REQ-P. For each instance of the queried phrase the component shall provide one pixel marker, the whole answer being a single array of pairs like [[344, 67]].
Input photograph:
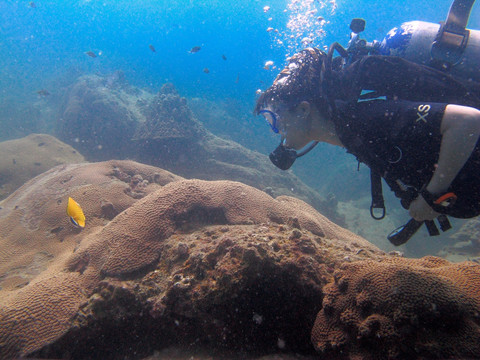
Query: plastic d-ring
[[372, 214]]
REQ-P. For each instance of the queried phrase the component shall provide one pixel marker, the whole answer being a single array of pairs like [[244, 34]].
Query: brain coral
[[132, 241], [401, 308], [37, 298], [41, 301]]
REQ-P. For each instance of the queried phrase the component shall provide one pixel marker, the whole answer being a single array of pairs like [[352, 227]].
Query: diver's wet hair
[[299, 81]]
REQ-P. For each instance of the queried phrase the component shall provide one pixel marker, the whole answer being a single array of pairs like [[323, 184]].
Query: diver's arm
[[460, 129]]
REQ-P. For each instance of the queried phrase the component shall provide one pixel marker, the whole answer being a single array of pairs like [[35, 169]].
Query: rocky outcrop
[[167, 116], [100, 116], [23, 159], [106, 120]]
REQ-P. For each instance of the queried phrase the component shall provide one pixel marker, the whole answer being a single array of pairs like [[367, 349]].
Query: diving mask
[[282, 157], [271, 118]]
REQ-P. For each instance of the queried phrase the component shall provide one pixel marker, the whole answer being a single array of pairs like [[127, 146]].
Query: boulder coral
[[401, 308], [37, 297], [132, 241], [147, 253], [22, 159]]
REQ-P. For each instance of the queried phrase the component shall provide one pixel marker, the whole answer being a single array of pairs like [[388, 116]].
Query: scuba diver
[[407, 107]]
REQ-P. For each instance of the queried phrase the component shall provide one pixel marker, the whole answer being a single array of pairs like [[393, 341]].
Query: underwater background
[[45, 46], [227, 266], [216, 54]]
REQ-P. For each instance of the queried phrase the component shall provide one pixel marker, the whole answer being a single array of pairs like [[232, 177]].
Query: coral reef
[[99, 116], [192, 261], [168, 117], [22, 159], [119, 121], [37, 297], [401, 308], [165, 261]]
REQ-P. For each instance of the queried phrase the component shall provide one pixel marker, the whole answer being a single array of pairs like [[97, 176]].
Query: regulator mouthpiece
[[283, 157]]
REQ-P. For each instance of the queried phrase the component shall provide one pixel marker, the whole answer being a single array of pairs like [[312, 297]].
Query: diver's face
[[294, 125]]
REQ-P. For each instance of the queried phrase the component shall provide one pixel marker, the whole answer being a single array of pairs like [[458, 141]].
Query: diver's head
[[296, 107], [295, 93]]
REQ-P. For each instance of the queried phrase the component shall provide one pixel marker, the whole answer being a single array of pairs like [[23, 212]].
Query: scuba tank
[[448, 46], [416, 41]]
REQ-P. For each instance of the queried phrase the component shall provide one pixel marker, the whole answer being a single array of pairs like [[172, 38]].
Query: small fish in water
[[32, 4], [266, 8], [43, 92], [237, 79], [195, 49], [224, 57], [152, 48], [91, 54], [75, 212], [206, 70]]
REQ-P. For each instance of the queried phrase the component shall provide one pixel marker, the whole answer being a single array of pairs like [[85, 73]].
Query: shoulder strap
[[452, 37], [377, 195], [393, 76]]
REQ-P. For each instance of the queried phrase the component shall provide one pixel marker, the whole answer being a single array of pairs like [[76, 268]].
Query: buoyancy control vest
[[372, 78], [396, 77]]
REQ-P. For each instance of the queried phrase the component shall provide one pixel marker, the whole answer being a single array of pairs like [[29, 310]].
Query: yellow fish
[[75, 212]]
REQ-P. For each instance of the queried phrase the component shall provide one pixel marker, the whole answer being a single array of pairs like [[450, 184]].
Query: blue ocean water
[[45, 39]]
